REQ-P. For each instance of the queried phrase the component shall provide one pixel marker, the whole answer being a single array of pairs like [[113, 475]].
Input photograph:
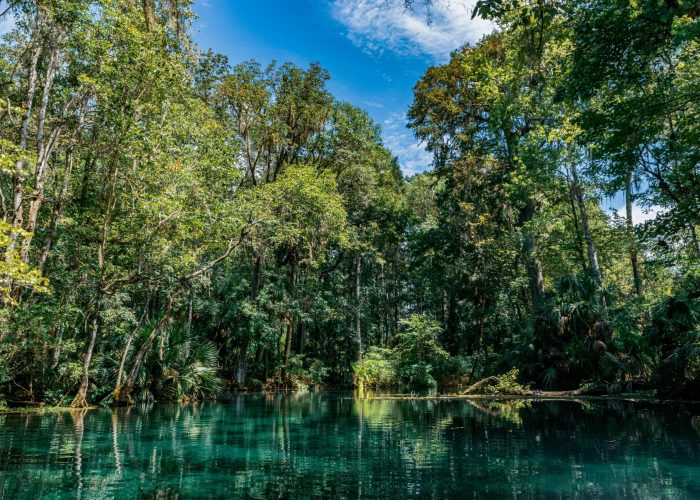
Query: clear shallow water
[[327, 445]]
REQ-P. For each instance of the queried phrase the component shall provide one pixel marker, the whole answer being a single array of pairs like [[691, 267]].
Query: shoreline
[[534, 397], [27, 410], [548, 396]]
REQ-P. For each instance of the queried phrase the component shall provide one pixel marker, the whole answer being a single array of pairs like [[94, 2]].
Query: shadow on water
[[329, 445]]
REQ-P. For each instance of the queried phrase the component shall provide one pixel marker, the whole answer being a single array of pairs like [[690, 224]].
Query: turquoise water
[[326, 445]]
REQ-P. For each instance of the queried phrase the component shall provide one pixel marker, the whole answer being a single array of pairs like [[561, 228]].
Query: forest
[[175, 227]]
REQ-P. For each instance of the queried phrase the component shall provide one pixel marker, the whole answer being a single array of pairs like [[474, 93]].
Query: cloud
[[640, 214], [380, 25], [413, 157], [373, 104]]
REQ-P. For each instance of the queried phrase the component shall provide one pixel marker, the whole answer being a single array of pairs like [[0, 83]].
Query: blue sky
[[375, 51]]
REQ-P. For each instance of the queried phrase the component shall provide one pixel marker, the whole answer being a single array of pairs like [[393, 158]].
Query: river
[[331, 445]]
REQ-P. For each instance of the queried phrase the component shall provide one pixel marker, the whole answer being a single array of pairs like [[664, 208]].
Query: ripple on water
[[331, 446]]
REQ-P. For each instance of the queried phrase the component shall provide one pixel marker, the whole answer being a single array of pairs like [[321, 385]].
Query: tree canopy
[[173, 226]]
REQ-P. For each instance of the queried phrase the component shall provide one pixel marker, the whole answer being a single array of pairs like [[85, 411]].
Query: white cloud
[[413, 157], [379, 25], [373, 104], [640, 214]]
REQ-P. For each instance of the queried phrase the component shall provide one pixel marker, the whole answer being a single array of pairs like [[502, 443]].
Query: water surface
[[330, 445]]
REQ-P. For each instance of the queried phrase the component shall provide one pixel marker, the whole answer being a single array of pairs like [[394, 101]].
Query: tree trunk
[[288, 319], [579, 241], [148, 13], [37, 196], [533, 263], [122, 361], [696, 242], [57, 350], [592, 252], [302, 337], [80, 398], [190, 309], [57, 211], [19, 175], [634, 256], [122, 393], [60, 201], [241, 365], [358, 306], [44, 150], [287, 347]]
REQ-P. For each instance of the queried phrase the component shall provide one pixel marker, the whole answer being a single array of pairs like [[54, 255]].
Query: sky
[[375, 50]]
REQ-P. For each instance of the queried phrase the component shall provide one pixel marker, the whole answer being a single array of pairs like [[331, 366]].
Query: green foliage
[[674, 331], [302, 375], [14, 271], [418, 351], [188, 369], [377, 368], [194, 225], [506, 385]]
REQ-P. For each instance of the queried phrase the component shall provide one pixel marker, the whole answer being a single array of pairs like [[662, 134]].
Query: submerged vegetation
[[173, 226]]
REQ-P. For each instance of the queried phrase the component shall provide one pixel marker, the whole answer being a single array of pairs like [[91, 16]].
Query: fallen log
[[479, 387]]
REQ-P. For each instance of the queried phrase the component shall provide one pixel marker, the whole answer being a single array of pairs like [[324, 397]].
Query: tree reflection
[[288, 445]]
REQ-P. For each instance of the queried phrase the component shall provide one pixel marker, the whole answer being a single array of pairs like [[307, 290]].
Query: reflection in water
[[332, 445], [78, 417]]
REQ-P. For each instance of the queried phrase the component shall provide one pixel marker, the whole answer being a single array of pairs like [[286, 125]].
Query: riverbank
[[558, 396], [543, 396], [13, 410]]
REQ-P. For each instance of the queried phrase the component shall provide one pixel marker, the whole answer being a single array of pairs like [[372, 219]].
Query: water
[[327, 445]]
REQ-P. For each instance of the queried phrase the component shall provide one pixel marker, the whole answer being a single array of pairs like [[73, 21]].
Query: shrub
[[317, 373], [418, 350], [674, 332], [418, 375], [454, 370], [377, 369], [506, 384]]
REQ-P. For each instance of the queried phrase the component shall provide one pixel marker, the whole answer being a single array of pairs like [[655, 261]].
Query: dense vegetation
[[172, 225]]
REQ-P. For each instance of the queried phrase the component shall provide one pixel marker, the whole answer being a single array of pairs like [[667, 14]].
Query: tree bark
[[579, 241], [57, 350], [122, 394], [532, 261], [45, 149], [57, 210], [148, 13], [242, 363], [18, 176], [60, 201], [696, 241], [592, 251], [287, 347], [634, 256], [358, 307], [288, 319], [122, 361], [80, 398]]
